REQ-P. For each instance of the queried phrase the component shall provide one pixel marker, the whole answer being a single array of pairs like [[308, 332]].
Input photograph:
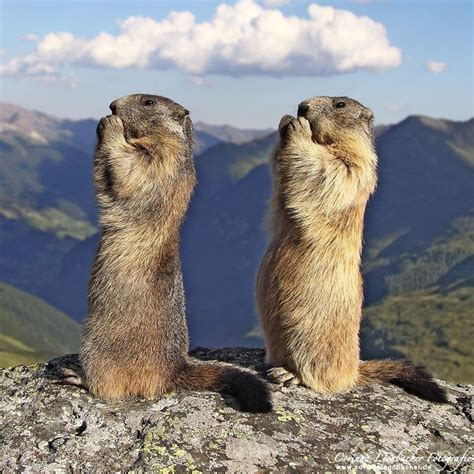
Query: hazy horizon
[[225, 124]]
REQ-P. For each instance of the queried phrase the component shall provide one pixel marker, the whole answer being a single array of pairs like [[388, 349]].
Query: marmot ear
[[367, 115]]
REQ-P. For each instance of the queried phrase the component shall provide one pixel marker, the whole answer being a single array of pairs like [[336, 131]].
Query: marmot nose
[[113, 107], [303, 109]]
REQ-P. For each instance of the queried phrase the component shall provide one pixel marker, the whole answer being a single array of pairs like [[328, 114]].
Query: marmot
[[135, 340], [309, 285]]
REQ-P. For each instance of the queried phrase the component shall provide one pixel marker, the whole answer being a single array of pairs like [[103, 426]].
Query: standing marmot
[[309, 286], [135, 341]]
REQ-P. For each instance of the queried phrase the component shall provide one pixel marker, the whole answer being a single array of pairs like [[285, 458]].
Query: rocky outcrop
[[45, 427]]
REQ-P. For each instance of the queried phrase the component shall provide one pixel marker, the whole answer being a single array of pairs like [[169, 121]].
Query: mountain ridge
[[18, 118], [419, 233]]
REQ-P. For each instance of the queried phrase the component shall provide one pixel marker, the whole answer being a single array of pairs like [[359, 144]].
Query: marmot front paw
[[110, 125], [292, 128]]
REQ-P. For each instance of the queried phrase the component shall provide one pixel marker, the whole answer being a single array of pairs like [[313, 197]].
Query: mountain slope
[[433, 327], [229, 134], [46, 197], [224, 233], [419, 242], [226, 163], [46, 193], [31, 329], [425, 195], [222, 242], [46, 183]]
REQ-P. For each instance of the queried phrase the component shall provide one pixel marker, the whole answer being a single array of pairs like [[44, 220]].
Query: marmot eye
[[149, 102], [340, 105]]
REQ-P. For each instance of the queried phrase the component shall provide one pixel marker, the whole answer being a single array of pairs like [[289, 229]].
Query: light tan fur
[[309, 287]]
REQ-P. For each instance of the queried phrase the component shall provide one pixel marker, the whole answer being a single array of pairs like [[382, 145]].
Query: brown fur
[[309, 285], [135, 340]]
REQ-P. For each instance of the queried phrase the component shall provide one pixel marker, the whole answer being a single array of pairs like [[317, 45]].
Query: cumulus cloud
[[30, 37], [275, 3], [396, 107], [435, 67], [240, 39], [199, 81]]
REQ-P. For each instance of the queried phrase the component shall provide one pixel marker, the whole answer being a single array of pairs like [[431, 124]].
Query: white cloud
[[397, 107], [240, 39], [199, 81], [275, 3], [436, 67], [30, 37]]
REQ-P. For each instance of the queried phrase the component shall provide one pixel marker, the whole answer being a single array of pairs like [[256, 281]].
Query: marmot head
[[145, 115], [335, 120]]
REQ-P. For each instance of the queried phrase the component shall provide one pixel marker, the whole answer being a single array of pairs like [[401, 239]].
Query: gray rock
[[46, 427]]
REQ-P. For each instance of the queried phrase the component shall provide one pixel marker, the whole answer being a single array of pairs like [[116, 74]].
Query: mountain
[[227, 163], [419, 243], [229, 134], [423, 202], [46, 203], [37, 125], [46, 194], [419, 225], [45, 172], [432, 327], [223, 240], [32, 330]]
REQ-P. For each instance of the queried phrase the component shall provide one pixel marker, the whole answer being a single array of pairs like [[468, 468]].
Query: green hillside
[[227, 163], [32, 330], [46, 195], [419, 235], [423, 266], [418, 260], [432, 327], [46, 184]]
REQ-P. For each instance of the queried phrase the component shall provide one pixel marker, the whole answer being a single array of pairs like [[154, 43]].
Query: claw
[[67, 372], [294, 381], [69, 376], [77, 381], [281, 376]]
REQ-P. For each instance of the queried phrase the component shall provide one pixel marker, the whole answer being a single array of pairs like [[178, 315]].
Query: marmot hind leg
[[282, 376]]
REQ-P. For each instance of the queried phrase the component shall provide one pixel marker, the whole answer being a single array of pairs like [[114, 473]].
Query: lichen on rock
[[45, 427]]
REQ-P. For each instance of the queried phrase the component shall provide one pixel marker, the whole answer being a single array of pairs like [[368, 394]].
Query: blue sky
[[407, 57]]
